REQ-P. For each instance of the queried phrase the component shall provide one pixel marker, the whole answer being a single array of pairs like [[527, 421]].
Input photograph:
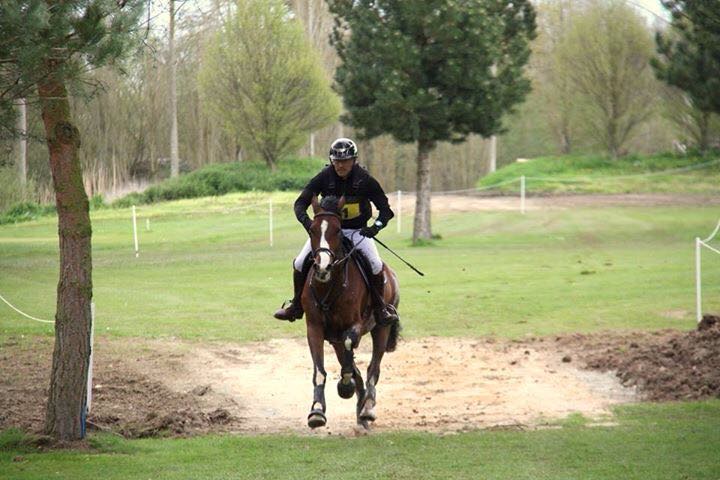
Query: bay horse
[[338, 308]]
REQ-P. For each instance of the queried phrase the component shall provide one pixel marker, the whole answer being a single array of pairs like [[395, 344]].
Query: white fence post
[[135, 236], [698, 281], [522, 194], [88, 398], [271, 223], [399, 211]]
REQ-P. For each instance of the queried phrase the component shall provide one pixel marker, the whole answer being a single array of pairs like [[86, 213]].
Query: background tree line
[[126, 124]]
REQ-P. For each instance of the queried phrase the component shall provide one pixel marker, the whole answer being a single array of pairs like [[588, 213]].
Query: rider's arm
[[305, 199], [377, 196]]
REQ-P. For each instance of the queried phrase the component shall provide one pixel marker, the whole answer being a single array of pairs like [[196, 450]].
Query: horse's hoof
[[346, 387], [316, 419], [368, 415]]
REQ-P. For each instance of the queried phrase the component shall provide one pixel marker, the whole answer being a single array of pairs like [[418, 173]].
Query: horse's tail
[[394, 336]]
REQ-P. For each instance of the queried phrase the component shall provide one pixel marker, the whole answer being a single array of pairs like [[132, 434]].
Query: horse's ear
[[315, 205], [341, 203]]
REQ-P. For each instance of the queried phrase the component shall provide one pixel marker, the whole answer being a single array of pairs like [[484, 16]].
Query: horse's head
[[326, 235]]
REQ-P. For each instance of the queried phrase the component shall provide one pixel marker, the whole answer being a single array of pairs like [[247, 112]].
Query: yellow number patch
[[350, 211]]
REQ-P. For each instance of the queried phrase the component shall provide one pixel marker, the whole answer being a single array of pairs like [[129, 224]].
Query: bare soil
[[170, 387], [664, 365]]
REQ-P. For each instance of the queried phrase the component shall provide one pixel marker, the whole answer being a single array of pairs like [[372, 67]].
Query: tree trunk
[[704, 131], [174, 149], [22, 144], [493, 154], [68, 380], [421, 226]]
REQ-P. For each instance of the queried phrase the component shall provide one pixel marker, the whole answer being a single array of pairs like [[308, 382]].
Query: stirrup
[[285, 315], [391, 312]]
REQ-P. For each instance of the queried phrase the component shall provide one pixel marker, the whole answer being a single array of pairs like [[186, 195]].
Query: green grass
[[206, 271], [653, 441], [597, 174]]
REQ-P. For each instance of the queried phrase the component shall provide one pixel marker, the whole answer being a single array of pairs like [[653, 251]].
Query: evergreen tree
[[45, 47], [431, 71], [689, 58]]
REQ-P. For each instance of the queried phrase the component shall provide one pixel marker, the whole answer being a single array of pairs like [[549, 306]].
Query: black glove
[[370, 231], [307, 223]]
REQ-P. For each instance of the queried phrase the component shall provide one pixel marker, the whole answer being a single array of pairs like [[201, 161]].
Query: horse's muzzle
[[322, 275]]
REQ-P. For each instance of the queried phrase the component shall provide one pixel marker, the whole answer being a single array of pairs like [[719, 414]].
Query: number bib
[[350, 211]]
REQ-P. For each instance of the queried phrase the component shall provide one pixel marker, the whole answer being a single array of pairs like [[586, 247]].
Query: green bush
[[24, 211], [219, 179]]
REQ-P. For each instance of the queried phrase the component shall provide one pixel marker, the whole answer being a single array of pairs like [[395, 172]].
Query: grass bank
[[603, 175]]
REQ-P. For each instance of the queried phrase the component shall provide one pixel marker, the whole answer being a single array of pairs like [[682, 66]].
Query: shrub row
[[219, 179]]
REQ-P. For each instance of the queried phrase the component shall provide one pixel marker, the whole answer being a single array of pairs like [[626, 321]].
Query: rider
[[345, 177]]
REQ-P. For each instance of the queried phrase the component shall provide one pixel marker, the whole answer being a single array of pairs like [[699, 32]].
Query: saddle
[[362, 263], [360, 260]]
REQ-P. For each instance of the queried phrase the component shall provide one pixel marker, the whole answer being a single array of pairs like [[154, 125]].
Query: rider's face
[[343, 167]]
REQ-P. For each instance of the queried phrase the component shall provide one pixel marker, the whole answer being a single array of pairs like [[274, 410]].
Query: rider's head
[[343, 153]]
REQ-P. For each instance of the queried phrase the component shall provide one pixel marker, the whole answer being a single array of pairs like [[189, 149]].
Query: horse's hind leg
[[316, 338], [380, 339]]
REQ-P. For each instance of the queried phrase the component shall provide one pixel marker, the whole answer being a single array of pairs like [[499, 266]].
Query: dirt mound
[[664, 365]]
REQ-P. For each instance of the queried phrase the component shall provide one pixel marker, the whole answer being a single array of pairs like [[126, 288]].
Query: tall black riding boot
[[294, 309], [385, 314]]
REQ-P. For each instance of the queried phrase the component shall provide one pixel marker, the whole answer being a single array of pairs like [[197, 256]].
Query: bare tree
[[606, 55]]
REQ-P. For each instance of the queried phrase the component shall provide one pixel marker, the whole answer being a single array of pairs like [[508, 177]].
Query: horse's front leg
[[316, 338], [380, 339], [346, 355], [340, 351]]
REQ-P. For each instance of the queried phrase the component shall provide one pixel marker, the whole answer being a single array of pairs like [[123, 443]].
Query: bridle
[[334, 261], [326, 301]]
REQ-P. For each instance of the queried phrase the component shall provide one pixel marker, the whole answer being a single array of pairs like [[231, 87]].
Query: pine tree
[[431, 71], [689, 58], [45, 47]]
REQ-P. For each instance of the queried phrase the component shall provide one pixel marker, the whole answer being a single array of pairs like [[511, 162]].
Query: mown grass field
[[670, 441], [206, 272]]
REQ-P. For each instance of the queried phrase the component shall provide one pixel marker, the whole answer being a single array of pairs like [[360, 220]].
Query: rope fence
[[23, 313]]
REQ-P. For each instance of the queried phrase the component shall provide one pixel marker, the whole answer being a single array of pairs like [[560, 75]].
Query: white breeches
[[365, 245]]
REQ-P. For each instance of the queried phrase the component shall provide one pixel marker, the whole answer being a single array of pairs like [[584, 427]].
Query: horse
[[338, 309]]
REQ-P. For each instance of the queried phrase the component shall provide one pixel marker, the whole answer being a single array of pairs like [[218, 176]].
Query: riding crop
[[398, 256]]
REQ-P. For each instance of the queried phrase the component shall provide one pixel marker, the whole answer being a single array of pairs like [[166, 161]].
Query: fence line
[[699, 243], [23, 313]]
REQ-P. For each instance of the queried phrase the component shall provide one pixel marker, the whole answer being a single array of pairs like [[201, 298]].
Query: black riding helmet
[[343, 149]]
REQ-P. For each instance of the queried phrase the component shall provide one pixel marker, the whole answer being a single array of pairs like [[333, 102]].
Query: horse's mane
[[330, 204]]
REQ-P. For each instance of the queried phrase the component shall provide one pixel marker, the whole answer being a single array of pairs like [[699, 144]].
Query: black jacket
[[359, 189]]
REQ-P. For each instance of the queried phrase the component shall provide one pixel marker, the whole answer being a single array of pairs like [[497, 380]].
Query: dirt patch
[[665, 365], [128, 397], [160, 387]]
